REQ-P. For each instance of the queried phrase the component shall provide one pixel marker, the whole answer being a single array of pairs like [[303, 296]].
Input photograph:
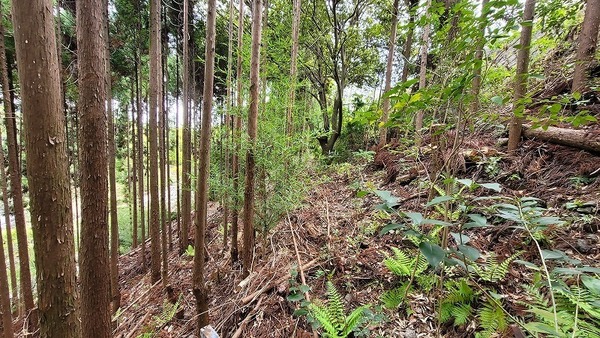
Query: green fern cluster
[[403, 265], [392, 299], [491, 318], [332, 315], [457, 306], [569, 301], [492, 270]]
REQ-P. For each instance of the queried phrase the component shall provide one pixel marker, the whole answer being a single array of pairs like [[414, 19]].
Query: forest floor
[[335, 235]]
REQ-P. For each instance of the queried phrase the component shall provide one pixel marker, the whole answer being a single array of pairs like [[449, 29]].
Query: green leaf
[[537, 76], [387, 197], [593, 284], [295, 297], [492, 186], [567, 271], [439, 199], [460, 238], [553, 254], [416, 217], [304, 288], [361, 193], [432, 252], [528, 264], [470, 252], [498, 100], [390, 227], [478, 221], [577, 96], [555, 108]]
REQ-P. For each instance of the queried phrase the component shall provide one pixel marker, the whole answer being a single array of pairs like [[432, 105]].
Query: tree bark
[[237, 136], [587, 43], [478, 61], [423, 69], [294, 67], [388, 75], [186, 194], [580, 139], [200, 290], [44, 126], [3, 174], [112, 181], [411, 4], [93, 253], [140, 156], [520, 89], [134, 176], [248, 216], [14, 168], [7, 325], [155, 102]]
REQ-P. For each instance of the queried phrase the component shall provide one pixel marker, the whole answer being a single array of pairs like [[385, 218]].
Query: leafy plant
[[492, 270], [332, 316], [402, 264], [457, 305], [392, 299]]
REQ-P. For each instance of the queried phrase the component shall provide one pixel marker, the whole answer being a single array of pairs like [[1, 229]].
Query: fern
[[393, 298], [492, 318], [458, 303], [332, 316], [401, 264], [492, 270]]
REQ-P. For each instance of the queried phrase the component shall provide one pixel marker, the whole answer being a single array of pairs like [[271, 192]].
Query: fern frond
[[335, 307], [321, 314], [493, 271], [461, 314], [353, 320], [391, 299], [492, 318]]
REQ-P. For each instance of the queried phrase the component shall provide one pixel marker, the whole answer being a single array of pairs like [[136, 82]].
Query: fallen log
[[582, 139]]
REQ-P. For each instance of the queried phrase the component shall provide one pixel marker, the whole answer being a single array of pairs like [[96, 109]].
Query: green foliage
[[492, 318], [492, 270], [393, 298], [190, 251], [403, 265], [332, 316], [457, 305]]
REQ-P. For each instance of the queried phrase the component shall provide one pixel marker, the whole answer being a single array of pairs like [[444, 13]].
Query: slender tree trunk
[[388, 75], [15, 168], [294, 67], [478, 62], [140, 161], [200, 290], [3, 174], [134, 176], [177, 128], [186, 194], [411, 4], [587, 43], [520, 89], [7, 325], [423, 69], [237, 136], [155, 101], [114, 222], [50, 198], [93, 253], [248, 217]]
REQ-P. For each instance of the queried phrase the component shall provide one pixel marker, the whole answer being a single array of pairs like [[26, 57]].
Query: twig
[[238, 332], [137, 325]]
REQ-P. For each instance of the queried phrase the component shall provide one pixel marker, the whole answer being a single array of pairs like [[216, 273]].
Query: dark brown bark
[[186, 193], [14, 168], [112, 181], [388, 74], [227, 129], [5, 309], [177, 165], [50, 198], [154, 111], [587, 43], [520, 86], [248, 216], [236, 135], [200, 290], [140, 159], [3, 175], [93, 253], [581, 139], [134, 176]]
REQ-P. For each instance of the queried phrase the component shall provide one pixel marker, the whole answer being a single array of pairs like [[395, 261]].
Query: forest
[[299, 168]]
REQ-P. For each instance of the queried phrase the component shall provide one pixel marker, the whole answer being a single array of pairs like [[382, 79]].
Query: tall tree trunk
[[140, 159], [47, 172], [423, 69], [155, 101], [14, 165], [93, 253], [248, 217], [478, 61], [162, 165], [112, 181], [227, 129], [412, 5], [7, 325], [237, 134], [186, 194], [3, 174], [520, 89], [587, 43], [177, 128], [388, 75], [134, 176], [200, 290], [293, 67]]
